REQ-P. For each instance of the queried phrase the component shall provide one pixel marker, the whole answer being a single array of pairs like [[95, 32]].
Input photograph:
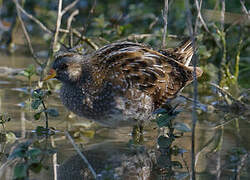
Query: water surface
[[222, 150]]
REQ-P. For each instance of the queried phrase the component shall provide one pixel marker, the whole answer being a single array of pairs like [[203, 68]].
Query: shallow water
[[106, 148]]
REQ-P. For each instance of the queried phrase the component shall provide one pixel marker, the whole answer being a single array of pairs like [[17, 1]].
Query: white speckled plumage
[[122, 83]]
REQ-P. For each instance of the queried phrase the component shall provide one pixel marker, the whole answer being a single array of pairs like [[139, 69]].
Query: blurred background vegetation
[[222, 41], [221, 45]]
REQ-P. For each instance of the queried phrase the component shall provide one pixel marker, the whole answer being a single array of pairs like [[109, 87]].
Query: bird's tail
[[182, 53], [186, 51]]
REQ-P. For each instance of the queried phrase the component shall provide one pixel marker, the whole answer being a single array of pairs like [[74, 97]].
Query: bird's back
[[134, 67], [124, 82]]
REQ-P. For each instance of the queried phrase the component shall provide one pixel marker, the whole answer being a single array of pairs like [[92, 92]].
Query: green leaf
[[37, 94], [31, 69], [20, 171], [163, 161], [160, 111], [4, 118], [100, 21], [164, 142], [36, 103], [36, 167], [34, 152], [24, 73], [40, 131], [183, 127], [164, 120], [8, 119], [19, 153], [52, 112], [37, 116], [176, 164], [10, 136], [20, 150]]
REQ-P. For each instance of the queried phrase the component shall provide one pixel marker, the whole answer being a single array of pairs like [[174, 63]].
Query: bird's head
[[67, 68]]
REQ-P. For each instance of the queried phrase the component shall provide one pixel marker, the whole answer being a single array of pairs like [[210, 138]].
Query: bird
[[122, 83]]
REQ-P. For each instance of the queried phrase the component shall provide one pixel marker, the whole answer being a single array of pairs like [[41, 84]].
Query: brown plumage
[[123, 82]]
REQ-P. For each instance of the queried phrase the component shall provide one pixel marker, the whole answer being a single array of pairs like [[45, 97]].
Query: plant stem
[[46, 115], [237, 62], [165, 18]]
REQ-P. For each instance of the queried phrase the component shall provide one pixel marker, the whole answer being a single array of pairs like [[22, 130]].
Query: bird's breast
[[110, 106]]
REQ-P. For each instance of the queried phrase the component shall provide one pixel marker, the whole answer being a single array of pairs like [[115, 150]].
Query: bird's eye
[[63, 66]]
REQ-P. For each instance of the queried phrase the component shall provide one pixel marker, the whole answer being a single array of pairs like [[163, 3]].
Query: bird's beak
[[51, 74]]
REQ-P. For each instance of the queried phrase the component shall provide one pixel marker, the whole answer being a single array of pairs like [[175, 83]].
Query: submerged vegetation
[[220, 103]]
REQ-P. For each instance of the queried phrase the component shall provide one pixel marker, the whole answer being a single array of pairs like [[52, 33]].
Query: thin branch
[[54, 158], [26, 34], [85, 26], [244, 9], [53, 44], [165, 19], [7, 165], [237, 58], [240, 165], [202, 149], [186, 164], [23, 127], [83, 38], [224, 92], [81, 154], [218, 166], [141, 36], [87, 40], [69, 21], [46, 116], [198, 7], [221, 33], [63, 30], [153, 23], [195, 94], [221, 125], [32, 17], [222, 14], [200, 105], [70, 6], [60, 13], [58, 25]]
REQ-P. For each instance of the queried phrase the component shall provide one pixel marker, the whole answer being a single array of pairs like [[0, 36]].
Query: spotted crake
[[122, 83]]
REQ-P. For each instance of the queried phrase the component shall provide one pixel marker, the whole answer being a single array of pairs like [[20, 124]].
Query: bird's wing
[[131, 65]]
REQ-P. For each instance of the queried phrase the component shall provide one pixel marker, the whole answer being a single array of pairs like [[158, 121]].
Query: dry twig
[[195, 94], [18, 6], [54, 41], [26, 33], [58, 25], [85, 26], [69, 21], [198, 7], [54, 158], [165, 19], [70, 6], [244, 9], [81, 154]]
